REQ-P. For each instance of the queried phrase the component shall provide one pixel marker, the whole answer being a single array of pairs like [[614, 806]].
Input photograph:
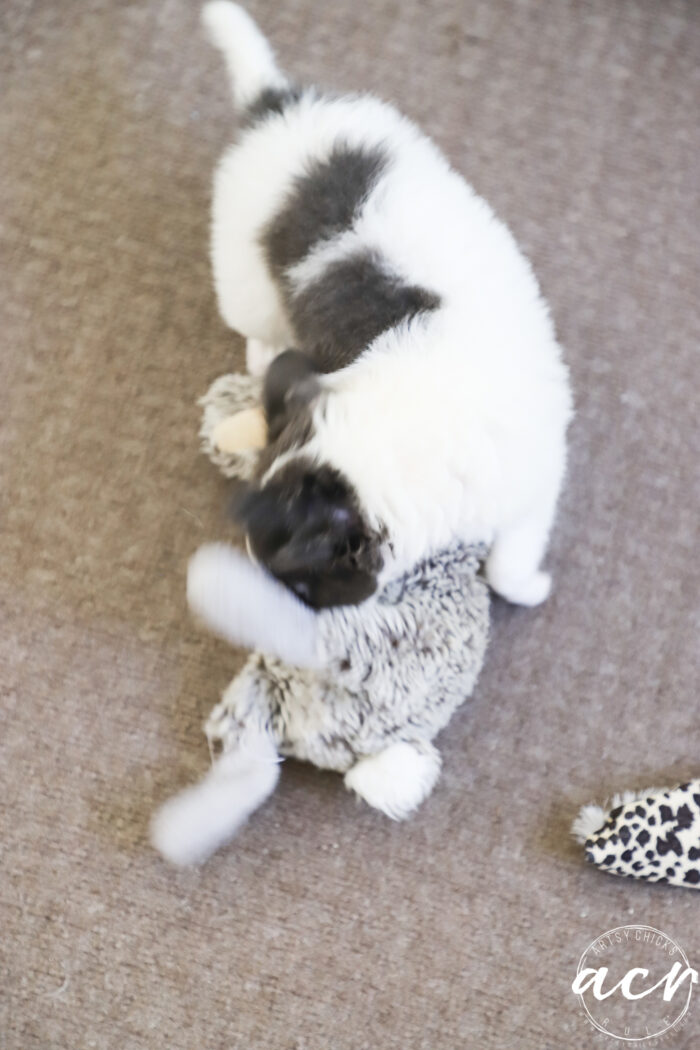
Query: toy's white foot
[[259, 356], [397, 779], [191, 825], [533, 590]]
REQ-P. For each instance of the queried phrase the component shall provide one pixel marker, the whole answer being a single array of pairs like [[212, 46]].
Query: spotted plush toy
[[652, 835], [359, 689]]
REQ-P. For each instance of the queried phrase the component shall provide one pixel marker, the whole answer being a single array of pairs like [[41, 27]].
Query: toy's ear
[[243, 432], [291, 384]]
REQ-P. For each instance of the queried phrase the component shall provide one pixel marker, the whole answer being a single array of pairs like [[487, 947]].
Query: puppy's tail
[[249, 59]]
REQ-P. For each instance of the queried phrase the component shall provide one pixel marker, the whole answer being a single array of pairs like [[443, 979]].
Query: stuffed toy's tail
[[249, 59], [195, 823]]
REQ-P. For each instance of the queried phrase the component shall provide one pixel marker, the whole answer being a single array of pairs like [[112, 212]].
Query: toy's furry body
[[393, 669], [361, 690], [340, 229]]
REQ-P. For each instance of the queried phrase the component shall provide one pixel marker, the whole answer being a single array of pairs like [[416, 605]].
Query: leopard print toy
[[652, 835]]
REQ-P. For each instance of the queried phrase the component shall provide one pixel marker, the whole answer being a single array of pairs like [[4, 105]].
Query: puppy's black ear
[[291, 383], [250, 506]]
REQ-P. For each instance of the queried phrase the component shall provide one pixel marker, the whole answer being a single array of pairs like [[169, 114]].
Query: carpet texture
[[325, 925]]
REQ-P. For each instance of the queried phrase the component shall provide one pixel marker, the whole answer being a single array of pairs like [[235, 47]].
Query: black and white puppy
[[427, 402]]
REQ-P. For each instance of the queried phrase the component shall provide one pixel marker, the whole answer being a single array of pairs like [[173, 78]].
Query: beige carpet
[[325, 925]]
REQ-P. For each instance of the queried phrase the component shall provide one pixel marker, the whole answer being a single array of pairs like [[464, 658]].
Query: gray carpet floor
[[325, 925]]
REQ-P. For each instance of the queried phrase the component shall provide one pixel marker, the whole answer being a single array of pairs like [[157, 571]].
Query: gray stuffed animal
[[361, 690]]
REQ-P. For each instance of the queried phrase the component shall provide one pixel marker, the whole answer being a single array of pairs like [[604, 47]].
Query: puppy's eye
[[350, 546], [354, 542]]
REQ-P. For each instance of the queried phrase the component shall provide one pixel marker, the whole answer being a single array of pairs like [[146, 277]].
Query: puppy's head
[[306, 527]]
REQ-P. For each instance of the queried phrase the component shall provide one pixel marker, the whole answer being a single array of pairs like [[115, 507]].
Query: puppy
[[427, 402]]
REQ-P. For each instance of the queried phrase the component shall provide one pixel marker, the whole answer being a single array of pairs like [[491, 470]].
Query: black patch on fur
[[290, 387], [692, 876], [355, 300], [289, 391], [323, 202], [684, 816], [670, 843], [270, 101]]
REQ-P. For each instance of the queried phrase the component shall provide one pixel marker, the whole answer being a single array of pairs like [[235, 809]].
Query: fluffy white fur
[[452, 428], [195, 823], [251, 64], [396, 780], [249, 608], [592, 816]]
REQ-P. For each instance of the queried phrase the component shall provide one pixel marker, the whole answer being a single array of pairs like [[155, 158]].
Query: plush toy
[[652, 835], [361, 690], [233, 426]]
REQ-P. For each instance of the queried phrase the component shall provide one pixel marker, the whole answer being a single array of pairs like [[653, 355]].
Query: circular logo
[[635, 983]]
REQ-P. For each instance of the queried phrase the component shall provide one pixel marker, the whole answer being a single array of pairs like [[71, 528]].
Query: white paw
[[189, 827], [259, 356], [176, 826], [397, 779], [531, 591]]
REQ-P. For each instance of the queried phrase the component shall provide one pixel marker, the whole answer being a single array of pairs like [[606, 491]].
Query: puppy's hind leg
[[513, 566], [259, 356], [397, 779]]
